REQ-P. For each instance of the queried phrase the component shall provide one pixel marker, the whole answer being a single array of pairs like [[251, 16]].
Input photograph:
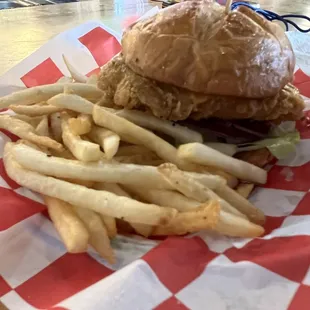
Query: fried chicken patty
[[126, 89]]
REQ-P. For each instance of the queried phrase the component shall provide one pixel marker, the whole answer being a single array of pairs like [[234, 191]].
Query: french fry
[[33, 121], [224, 192], [108, 140], [204, 217], [245, 189], [204, 155], [138, 135], [146, 120], [227, 224], [192, 189], [56, 126], [235, 226], [42, 128], [82, 150], [163, 197], [99, 238], [65, 154], [42, 93], [80, 125], [110, 222], [93, 79], [145, 176], [242, 204], [142, 229], [225, 148], [76, 75], [34, 146], [71, 102], [70, 228], [99, 201], [88, 184], [231, 181], [35, 109], [132, 133], [27, 132], [65, 80]]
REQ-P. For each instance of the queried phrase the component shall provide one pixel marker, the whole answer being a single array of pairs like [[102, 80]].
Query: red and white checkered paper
[[206, 271]]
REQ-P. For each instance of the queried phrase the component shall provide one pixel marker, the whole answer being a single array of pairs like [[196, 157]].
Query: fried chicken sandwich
[[226, 73]]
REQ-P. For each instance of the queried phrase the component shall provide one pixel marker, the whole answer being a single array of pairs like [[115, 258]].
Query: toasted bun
[[198, 46]]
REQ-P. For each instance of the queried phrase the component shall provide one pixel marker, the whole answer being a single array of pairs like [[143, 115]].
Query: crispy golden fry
[[235, 226], [146, 120], [232, 181], [27, 132], [110, 222], [163, 197], [88, 184], [66, 154], [70, 228], [80, 125], [56, 126], [138, 135], [42, 93], [228, 224], [100, 201], [93, 79], [204, 217], [108, 140], [142, 229], [243, 205], [42, 128], [245, 189], [192, 189], [33, 121], [111, 187], [204, 155], [99, 238], [34, 146], [76, 75], [81, 149], [35, 109], [225, 148], [144, 176], [132, 133], [72, 102], [65, 80]]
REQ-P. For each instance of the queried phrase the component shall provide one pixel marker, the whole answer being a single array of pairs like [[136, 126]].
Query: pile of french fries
[[101, 169]]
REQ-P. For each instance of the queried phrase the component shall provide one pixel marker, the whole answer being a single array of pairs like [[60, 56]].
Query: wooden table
[[24, 30]]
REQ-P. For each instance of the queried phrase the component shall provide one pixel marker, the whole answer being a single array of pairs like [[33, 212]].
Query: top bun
[[196, 45]]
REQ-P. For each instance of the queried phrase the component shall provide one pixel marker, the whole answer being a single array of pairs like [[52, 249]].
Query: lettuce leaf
[[280, 147]]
